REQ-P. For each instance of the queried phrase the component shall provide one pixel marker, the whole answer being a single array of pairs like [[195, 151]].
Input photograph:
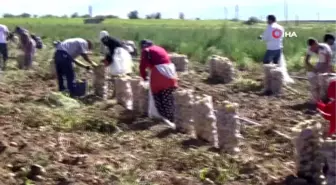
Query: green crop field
[[49, 138], [196, 38]]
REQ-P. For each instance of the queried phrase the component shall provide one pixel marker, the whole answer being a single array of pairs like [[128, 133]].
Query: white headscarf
[[103, 49], [103, 34], [130, 42]]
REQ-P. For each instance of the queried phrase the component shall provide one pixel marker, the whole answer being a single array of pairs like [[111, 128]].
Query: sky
[[204, 9]]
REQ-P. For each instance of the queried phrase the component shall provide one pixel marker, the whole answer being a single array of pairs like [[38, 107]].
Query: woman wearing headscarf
[[117, 51], [103, 48], [112, 44], [123, 63], [27, 45], [129, 45], [163, 77]]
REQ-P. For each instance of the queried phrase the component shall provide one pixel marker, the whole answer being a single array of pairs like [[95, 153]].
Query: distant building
[[90, 11]]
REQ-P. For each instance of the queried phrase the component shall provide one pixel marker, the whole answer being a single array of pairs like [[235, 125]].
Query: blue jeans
[[64, 68], [272, 56]]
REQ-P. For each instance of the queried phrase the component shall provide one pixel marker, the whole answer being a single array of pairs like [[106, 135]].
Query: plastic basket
[[80, 88]]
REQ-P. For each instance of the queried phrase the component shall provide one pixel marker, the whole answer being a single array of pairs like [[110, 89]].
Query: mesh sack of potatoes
[[52, 68], [20, 60], [135, 82], [140, 95], [180, 61], [268, 76], [110, 86], [205, 119], [111, 83], [308, 147], [143, 98], [323, 83], [184, 102], [329, 152], [228, 127], [221, 68], [314, 86], [212, 67], [124, 93], [100, 84], [277, 80]]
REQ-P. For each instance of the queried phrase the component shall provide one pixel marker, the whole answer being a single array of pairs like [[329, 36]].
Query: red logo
[[276, 33]]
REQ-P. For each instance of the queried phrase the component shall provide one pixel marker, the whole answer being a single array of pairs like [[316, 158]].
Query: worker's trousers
[[64, 68], [4, 54]]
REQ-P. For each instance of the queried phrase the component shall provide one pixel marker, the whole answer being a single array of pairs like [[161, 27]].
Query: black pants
[[4, 53], [165, 104], [64, 68]]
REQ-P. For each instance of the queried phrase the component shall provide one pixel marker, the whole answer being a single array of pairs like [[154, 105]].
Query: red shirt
[[329, 110], [150, 57]]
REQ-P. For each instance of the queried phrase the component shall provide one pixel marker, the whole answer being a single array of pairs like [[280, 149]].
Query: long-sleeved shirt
[[273, 36], [163, 74], [329, 110], [27, 44], [151, 56], [111, 43]]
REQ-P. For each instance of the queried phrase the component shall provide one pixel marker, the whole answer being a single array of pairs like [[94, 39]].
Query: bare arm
[[81, 64], [308, 65], [86, 58], [328, 62]]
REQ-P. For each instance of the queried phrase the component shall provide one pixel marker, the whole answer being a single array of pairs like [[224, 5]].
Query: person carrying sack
[[103, 49], [273, 37], [28, 47], [322, 66], [116, 58], [111, 44], [162, 79]]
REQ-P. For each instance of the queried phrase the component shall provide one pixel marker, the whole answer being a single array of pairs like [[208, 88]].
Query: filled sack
[[122, 62]]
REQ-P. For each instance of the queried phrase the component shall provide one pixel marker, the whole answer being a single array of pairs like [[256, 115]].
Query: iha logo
[[278, 33]]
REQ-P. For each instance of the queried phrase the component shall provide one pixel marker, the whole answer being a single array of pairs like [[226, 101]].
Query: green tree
[[133, 15], [25, 15], [75, 15], [8, 15], [181, 15]]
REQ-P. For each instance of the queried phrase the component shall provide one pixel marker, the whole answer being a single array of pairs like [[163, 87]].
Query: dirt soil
[[103, 144]]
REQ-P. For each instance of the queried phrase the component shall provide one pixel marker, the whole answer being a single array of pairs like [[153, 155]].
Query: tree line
[[131, 15], [74, 15], [157, 15]]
